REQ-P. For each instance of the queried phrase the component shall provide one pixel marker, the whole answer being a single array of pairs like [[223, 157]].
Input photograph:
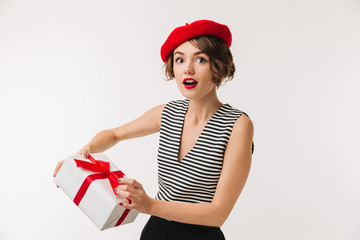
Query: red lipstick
[[189, 83]]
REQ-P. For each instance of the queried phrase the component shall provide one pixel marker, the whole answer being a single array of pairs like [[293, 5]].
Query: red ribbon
[[103, 169]]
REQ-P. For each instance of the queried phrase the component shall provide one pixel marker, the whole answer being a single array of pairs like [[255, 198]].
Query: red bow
[[104, 172], [103, 169]]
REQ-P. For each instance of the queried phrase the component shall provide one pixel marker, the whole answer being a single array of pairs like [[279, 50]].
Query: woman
[[205, 146]]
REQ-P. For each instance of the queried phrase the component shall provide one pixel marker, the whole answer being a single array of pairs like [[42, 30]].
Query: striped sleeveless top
[[195, 177]]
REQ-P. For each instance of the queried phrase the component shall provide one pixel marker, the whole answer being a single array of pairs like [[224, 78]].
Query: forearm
[[102, 141], [194, 213], [146, 124]]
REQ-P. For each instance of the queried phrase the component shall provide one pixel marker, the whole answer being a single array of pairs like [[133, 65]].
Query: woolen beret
[[195, 29]]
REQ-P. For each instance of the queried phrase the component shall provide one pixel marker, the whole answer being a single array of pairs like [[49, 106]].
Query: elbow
[[220, 221], [114, 135], [219, 218], [217, 222]]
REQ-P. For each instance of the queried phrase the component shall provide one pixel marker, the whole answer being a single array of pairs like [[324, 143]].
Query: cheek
[[178, 79], [207, 73], [177, 76], [176, 71]]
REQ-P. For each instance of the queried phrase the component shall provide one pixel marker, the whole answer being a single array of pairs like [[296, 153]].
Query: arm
[[146, 124], [236, 167]]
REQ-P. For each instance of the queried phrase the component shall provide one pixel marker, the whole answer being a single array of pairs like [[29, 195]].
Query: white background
[[69, 69]]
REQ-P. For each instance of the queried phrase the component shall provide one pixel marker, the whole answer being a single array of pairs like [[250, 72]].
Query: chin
[[187, 95], [191, 96]]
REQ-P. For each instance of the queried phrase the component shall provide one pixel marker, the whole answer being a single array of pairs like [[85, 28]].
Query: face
[[192, 72]]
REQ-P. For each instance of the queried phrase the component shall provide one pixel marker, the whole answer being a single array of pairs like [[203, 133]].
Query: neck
[[203, 109]]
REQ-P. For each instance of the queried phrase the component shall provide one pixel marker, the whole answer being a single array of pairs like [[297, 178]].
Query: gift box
[[89, 183]]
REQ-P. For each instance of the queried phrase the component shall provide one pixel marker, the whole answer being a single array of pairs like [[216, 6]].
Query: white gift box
[[99, 203]]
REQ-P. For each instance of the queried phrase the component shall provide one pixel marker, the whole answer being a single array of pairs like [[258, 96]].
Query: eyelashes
[[199, 60], [179, 60]]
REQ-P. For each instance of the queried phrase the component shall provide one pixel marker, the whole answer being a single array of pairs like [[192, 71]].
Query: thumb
[[84, 153]]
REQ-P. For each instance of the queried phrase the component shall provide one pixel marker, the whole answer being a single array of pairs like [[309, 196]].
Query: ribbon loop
[[101, 167]]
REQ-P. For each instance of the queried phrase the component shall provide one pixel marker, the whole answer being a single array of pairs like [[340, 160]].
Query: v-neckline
[[182, 128]]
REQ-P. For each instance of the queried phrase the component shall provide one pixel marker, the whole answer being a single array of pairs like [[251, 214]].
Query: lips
[[189, 83]]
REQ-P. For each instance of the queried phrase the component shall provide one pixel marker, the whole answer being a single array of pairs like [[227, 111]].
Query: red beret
[[195, 29]]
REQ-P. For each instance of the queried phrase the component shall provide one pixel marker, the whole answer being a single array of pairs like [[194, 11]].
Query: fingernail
[[115, 190], [121, 204], [119, 180]]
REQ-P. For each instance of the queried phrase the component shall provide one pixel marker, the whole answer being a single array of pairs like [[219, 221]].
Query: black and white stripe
[[195, 177]]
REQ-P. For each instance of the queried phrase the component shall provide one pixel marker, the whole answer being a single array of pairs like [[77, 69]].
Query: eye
[[179, 60], [201, 60]]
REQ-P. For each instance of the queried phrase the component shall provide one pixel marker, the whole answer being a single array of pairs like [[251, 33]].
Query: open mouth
[[189, 83]]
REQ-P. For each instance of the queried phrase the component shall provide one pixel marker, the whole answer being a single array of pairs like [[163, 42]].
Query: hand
[[133, 190], [57, 168], [85, 151]]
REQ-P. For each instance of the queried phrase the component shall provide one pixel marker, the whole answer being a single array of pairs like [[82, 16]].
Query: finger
[[79, 153], [82, 153], [57, 168], [130, 181], [124, 194], [126, 205], [124, 183], [126, 188]]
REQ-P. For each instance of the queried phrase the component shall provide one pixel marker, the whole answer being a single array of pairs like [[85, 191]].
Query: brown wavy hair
[[221, 59]]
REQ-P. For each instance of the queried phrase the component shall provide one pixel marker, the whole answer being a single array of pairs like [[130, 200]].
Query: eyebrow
[[181, 53]]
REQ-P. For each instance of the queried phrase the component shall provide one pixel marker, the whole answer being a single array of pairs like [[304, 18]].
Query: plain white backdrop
[[69, 69]]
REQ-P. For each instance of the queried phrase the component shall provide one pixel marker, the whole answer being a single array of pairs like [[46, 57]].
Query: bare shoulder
[[146, 124], [156, 112], [152, 116], [159, 108], [241, 137], [243, 126]]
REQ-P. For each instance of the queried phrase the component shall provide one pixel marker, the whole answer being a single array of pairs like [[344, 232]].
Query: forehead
[[188, 47]]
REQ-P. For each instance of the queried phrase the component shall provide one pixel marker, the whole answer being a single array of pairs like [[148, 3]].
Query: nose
[[189, 68]]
